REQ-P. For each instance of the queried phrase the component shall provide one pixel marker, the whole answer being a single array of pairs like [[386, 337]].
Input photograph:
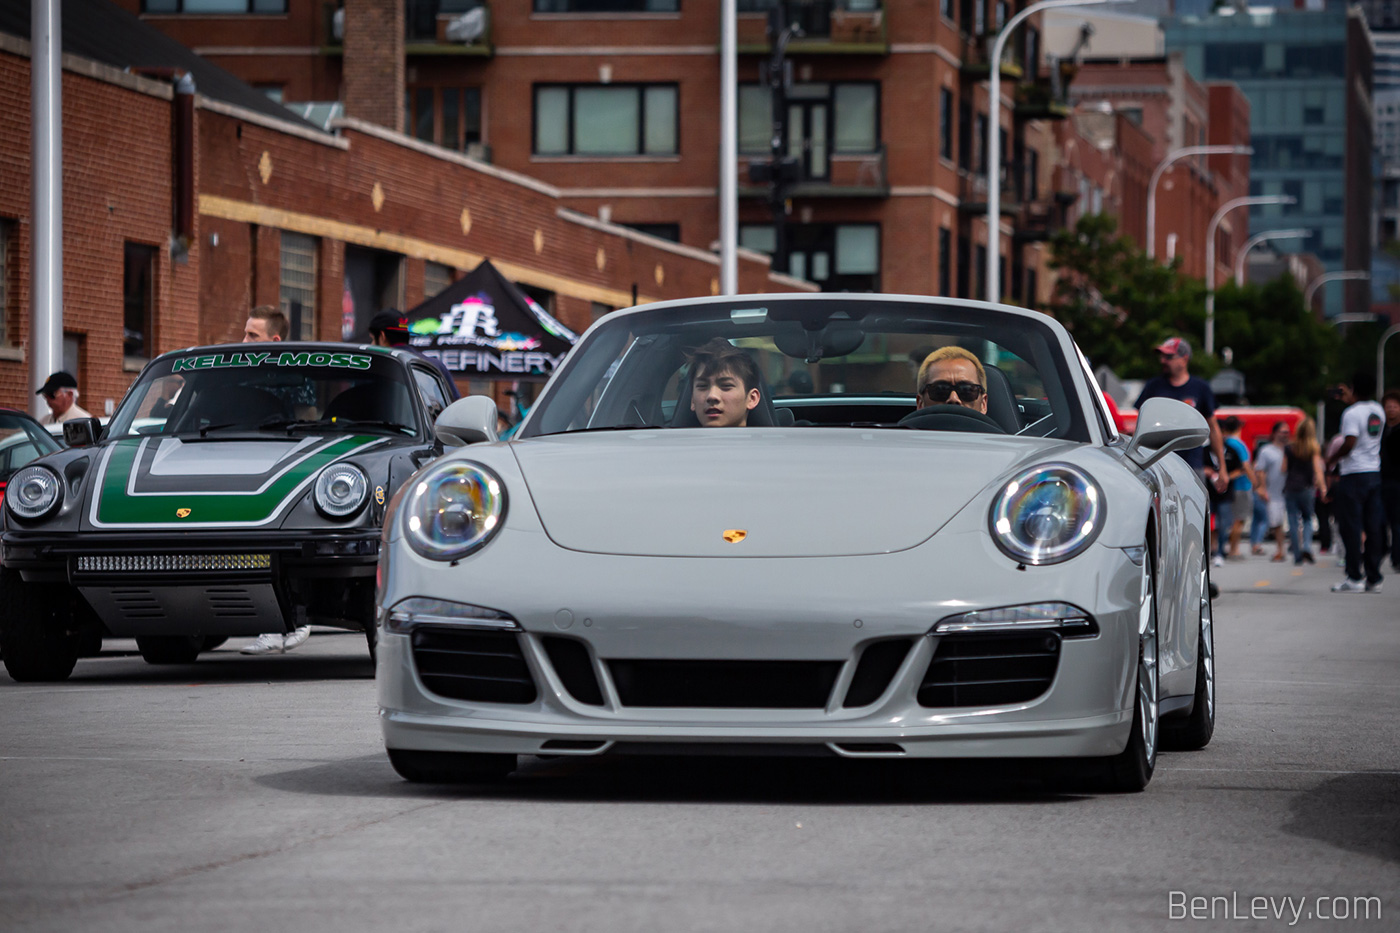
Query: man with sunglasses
[[952, 376]]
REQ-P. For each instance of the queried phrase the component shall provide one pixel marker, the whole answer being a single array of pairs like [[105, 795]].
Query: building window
[[838, 257], [298, 284], [964, 265], [982, 129], [436, 277], [7, 265], [981, 273], [607, 6], [606, 120], [1032, 175], [846, 114], [138, 301], [945, 8], [670, 232], [945, 262], [213, 6], [446, 116], [964, 135], [945, 123]]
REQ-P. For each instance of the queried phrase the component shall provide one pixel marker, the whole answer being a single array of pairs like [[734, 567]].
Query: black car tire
[[450, 767], [170, 649], [1195, 731], [213, 641], [34, 630]]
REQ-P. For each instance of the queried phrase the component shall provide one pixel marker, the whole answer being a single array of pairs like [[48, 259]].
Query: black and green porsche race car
[[237, 490]]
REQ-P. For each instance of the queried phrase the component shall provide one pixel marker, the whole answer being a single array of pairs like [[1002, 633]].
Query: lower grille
[[575, 669], [173, 563], [990, 670], [725, 684], [231, 602], [480, 667], [879, 662], [134, 603]]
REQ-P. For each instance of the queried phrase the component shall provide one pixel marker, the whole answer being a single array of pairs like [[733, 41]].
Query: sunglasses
[[940, 390]]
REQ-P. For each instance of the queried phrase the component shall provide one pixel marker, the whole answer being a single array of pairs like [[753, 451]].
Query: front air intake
[[990, 670], [476, 666]]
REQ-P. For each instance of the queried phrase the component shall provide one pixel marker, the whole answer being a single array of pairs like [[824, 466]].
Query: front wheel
[[450, 767], [34, 623], [169, 649], [1195, 731]]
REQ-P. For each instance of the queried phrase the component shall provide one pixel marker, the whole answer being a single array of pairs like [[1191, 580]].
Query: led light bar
[[134, 563]]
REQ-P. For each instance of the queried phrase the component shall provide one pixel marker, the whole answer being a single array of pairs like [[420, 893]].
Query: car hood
[[173, 483], [793, 492]]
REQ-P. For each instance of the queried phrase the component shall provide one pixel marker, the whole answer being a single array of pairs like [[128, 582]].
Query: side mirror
[[1165, 426], [81, 432], [468, 420]]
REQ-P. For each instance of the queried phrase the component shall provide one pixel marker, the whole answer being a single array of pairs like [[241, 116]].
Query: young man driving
[[723, 385]]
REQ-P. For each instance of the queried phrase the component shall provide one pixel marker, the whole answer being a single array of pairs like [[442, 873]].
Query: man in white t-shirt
[[1358, 496]]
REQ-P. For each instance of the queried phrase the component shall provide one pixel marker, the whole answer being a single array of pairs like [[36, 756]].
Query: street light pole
[[1390, 331], [1346, 275], [1160, 170], [728, 149], [994, 137], [1226, 208], [1260, 238]]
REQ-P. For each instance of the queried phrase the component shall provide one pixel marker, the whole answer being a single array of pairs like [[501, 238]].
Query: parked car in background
[[847, 575], [237, 490], [22, 439]]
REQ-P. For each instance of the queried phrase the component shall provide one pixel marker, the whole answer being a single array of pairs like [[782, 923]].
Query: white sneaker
[[295, 637], [267, 643], [1374, 587], [1350, 586], [1217, 561]]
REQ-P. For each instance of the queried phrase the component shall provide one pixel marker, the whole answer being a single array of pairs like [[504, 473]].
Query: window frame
[[571, 143], [288, 243], [147, 311], [464, 129], [829, 100], [248, 10], [636, 6], [7, 240]]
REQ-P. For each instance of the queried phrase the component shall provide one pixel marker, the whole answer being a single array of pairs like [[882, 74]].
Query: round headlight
[[1047, 514], [33, 493], [341, 490], [453, 509]]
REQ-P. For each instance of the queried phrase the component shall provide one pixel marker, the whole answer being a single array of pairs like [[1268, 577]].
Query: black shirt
[[1195, 392]]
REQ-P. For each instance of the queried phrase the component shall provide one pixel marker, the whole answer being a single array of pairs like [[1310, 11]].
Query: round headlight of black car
[[341, 490], [453, 509], [33, 493], [1047, 514]]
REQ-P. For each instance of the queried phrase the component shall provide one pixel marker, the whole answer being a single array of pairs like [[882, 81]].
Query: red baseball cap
[[1175, 346]]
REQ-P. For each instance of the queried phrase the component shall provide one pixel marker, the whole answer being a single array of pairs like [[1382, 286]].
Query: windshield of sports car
[[222, 391], [842, 362]]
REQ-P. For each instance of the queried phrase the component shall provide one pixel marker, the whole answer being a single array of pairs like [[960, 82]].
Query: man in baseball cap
[[60, 391], [1175, 347], [1176, 381], [389, 328]]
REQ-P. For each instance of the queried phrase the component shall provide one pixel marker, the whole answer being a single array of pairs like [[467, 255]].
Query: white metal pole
[[994, 137], [1345, 275], [728, 149], [1255, 241], [46, 257], [1161, 169], [1390, 331], [1226, 208]]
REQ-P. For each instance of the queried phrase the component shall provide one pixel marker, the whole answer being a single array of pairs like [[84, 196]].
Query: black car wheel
[[34, 630], [170, 649], [450, 767], [1195, 731]]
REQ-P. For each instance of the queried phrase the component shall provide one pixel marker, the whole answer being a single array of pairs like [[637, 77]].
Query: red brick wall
[[374, 70], [116, 189]]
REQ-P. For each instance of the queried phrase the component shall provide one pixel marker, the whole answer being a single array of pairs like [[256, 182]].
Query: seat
[[235, 404], [1001, 401], [373, 401]]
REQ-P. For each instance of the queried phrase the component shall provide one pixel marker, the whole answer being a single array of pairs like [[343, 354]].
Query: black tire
[[213, 641], [1130, 770], [170, 649], [34, 623], [1195, 731], [450, 767]]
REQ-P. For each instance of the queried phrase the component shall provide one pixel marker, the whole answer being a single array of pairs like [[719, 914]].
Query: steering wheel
[[950, 418]]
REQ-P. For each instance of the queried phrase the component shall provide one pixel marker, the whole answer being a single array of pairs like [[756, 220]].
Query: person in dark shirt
[[1176, 382], [390, 329], [1390, 472]]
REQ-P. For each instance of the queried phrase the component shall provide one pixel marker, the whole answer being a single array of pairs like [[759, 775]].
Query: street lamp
[[1258, 238], [1226, 208], [1346, 275], [1390, 331], [994, 137], [1161, 168]]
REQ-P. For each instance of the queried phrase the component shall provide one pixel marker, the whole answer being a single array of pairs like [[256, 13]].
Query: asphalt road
[[253, 794]]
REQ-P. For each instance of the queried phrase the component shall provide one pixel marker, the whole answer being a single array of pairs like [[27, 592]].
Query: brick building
[[281, 213]]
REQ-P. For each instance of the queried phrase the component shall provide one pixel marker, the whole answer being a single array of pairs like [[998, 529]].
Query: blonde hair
[[1304, 443], [949, 353]]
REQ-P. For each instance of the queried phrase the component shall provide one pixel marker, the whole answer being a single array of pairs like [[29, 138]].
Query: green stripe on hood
[[117, 506]]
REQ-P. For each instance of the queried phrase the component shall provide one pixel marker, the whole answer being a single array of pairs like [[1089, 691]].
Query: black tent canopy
[[483, 327]]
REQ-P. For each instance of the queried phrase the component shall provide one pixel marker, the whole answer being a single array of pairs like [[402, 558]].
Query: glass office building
[[1307, 74]]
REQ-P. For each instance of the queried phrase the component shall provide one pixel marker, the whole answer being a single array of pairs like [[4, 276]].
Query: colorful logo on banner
[[472, 322]]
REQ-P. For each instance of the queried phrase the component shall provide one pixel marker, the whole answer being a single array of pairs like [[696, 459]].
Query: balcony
[[1041, 219], [1036, 100], [972, 194], [977, 51], [848, 175], [431, 27], [829, 27]]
